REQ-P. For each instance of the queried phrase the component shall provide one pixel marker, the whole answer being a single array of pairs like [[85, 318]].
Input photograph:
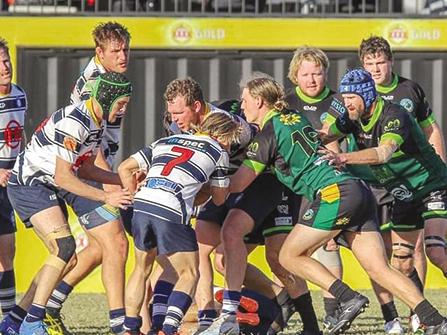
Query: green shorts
[[347, 206]]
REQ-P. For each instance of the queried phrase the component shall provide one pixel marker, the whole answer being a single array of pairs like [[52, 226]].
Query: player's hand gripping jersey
[[81, 92], [413, 170], [178, 166], [237, 151], [12, 110], [71, 133]]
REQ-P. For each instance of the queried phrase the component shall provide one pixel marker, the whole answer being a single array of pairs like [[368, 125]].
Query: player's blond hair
[[220, 126], [270, 91], [4, 45], [311, 54], [110, 31]]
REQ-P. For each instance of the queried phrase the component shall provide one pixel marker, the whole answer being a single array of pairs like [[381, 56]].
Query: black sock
[[341, 291], [303, 305], [428, 315], [389, 311], [417, 281], [330, 305]]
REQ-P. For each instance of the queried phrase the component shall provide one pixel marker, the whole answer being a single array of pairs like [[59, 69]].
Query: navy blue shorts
[[7, 219], [126, 217], [30, 200], [91, 213], [151, 232]]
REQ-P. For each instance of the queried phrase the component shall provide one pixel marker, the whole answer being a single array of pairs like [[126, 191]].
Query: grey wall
[[48, 76]]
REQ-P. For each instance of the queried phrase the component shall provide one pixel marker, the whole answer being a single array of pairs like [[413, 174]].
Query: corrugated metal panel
[[49, 75]]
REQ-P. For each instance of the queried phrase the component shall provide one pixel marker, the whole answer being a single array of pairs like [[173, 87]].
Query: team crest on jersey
[[70, 143], [407, 104], [402, 193], [308, 215], [323, 117], [342, 221], [289, 119], [392, 125]]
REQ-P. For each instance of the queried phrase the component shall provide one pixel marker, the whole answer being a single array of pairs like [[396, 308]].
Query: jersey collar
[[89, 105], [99, 64], [268, 116], [387, 89], [375, 116], [311, 100]]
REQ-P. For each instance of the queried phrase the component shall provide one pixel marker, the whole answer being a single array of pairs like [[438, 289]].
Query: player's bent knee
[[62, 247]]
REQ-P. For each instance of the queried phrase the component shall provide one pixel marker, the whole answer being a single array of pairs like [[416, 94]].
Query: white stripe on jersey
[[82, 91], [178, 167], [70, 127], [13, 108]]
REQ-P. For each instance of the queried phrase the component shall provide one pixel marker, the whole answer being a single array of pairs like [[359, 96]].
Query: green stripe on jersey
[[255, 166]]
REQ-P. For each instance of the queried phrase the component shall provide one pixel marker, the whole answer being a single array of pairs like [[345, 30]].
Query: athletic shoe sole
[[249, 304]]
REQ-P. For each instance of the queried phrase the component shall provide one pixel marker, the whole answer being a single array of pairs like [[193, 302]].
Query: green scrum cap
[[108, 88]]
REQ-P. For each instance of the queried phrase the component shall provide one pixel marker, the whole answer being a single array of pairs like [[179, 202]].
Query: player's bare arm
[[127, 172], [89, 170], [65, 178], [435, 138]]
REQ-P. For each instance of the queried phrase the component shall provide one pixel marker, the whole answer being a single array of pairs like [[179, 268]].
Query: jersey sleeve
[[261, 151], [220, 178], [395, 126], [69, 136], [423, 112], [144, 157]]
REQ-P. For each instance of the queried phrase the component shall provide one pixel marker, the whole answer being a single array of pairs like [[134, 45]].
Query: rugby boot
[[251, 319], [54, 321], [347, 312], [9, 327], [329, 321], [393, 327], [287, 309], [225, 324], [440, 329], [34, 328], [249, 304]]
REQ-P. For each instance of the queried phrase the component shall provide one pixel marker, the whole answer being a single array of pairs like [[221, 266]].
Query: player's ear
[[197, 106], [99, 52], [259, 102]]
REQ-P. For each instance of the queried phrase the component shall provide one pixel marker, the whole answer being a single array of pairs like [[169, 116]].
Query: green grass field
[[87, 314]]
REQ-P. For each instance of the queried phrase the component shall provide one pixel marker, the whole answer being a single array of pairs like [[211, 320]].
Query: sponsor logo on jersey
[[388, 97], [392, 125], [252, 148], [407, 104], [310, 108], [342, 221], [436, 206], [308, 215], [289, 119], [402, 193], [70, 143], [187, 143]]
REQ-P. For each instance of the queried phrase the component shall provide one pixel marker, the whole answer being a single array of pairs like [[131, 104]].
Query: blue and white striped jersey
[[13, 107], [71, 133], [178, 166], [82, 91]]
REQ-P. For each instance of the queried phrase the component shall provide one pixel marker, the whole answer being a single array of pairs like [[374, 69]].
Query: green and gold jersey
[[414, 169], [288, 144]]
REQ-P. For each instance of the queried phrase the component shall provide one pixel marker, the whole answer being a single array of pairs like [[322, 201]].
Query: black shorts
[[7, 219], [409, 216], [151, 232], [259, 201], [348, 206], [385, 202]]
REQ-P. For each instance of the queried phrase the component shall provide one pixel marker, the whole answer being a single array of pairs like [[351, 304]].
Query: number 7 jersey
[[289, 145], [177, 167]]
